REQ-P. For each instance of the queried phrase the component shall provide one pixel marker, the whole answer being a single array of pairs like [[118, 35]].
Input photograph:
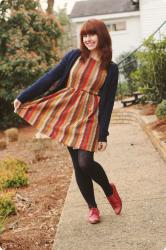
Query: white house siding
[[152, 15], [122, 41], [128, 40]]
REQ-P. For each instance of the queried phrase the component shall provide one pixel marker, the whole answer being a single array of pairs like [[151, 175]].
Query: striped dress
[[70, 115]]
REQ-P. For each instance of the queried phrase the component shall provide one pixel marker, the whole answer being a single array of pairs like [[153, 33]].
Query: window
[[118, 26]]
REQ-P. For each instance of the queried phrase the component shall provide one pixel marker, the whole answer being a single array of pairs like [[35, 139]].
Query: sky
[[59, 4]]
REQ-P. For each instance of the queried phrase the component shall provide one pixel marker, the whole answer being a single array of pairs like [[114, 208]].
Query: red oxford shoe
[[115, 200], [94, 215]]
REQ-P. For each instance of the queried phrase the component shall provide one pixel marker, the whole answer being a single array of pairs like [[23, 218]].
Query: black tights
[[86, 170]]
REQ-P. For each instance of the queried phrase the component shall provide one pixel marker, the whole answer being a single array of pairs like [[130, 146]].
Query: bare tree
[[50, 6]]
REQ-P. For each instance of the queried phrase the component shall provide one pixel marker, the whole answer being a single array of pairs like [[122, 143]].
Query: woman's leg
[[84, 182], [94, 170]]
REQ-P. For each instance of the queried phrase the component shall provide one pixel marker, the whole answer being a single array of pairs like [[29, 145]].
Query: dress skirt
[[70, 115]]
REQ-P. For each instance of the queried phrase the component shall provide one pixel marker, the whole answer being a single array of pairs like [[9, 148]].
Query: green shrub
[[145, 69], [150, 74], [28, 49], [18, 179], [161, 110], [126, 68], [7, 207], [13, 173], [14, 164], [123, 89]]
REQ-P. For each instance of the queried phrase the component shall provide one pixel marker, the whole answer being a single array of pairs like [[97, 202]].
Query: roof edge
[[107, 16]]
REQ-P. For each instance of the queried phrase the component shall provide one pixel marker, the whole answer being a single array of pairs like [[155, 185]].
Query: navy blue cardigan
[[61, 72]]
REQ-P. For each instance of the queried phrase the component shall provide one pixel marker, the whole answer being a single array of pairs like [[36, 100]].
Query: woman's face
[[90, 41]]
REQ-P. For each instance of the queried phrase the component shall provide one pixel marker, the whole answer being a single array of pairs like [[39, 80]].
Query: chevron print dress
[[70, 115]]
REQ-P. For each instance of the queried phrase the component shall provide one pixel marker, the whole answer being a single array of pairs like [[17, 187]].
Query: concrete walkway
[[137, 169]]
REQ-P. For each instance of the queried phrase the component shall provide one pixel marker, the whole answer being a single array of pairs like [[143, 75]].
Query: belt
[[89, 92]]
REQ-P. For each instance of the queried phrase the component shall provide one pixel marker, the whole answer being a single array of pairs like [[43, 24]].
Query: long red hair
[[98, 27]]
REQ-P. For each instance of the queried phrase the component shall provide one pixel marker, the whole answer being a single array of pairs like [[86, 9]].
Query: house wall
[[127, 40], [152, 15]]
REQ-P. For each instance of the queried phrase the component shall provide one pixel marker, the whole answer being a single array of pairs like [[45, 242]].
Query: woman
[[78, 111]]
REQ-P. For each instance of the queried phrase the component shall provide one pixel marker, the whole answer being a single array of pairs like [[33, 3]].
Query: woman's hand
[[17, 104], [102, 146]]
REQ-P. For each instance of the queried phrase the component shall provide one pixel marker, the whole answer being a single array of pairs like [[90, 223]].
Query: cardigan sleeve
[[44, 83], [108, 98]]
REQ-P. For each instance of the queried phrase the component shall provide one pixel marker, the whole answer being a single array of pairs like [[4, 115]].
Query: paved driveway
[[132, 162]]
